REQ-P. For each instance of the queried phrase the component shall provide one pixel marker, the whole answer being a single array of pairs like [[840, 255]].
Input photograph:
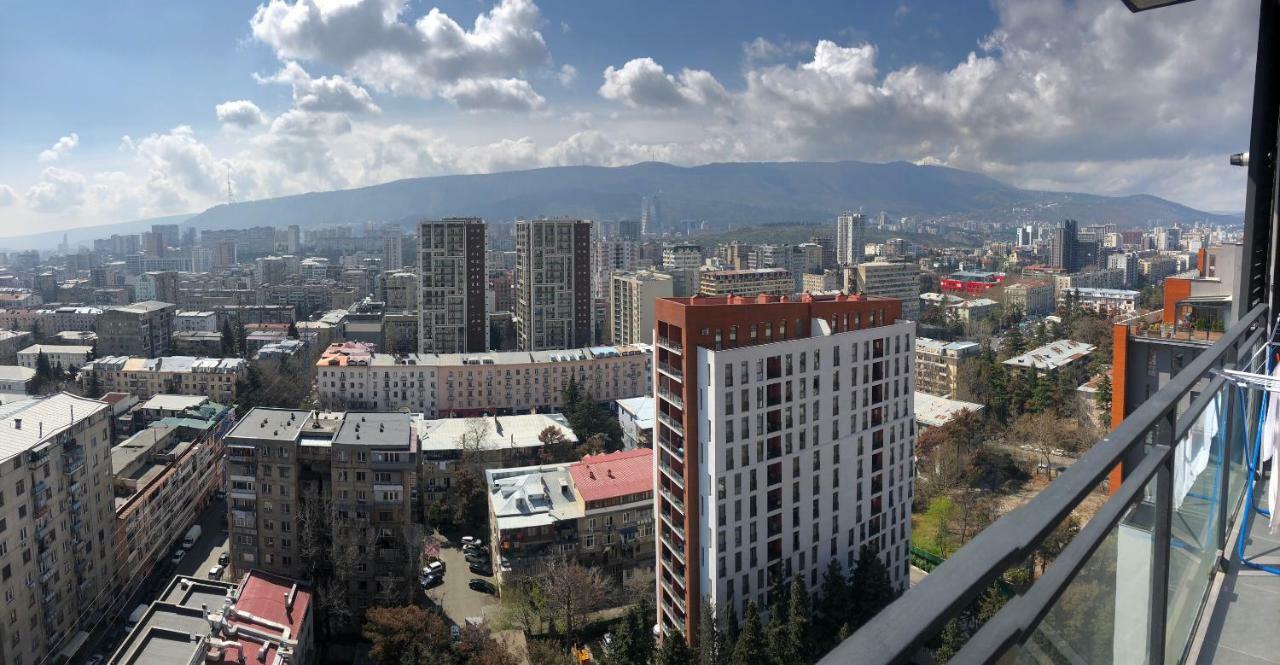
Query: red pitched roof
[[614, 474]]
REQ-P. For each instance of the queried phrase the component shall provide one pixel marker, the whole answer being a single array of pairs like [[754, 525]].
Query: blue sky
[[144, 108]]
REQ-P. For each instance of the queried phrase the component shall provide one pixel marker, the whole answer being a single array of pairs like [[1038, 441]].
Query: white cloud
[[63, 146], [567, 75], [8, 197], [58, 190], [494, 94], [371, 41], [240, 113], [327, 94], [643, 83]]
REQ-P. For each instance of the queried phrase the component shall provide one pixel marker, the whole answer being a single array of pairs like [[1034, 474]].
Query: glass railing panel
[[1199, 469]]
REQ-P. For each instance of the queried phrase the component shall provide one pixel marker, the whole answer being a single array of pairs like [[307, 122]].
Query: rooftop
[[1052, 356], [168, 364], [500, 432], [532, 496], [640, 408], [25, 424], [144, 307], [1105, 293], [57, 348], [271, 424], [938, 346], [340, 355], [174, 402], [16, 373], [614, 475], [935, 411], [374, 429]]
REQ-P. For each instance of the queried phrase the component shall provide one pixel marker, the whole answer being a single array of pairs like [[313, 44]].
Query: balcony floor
[[1242, 623]]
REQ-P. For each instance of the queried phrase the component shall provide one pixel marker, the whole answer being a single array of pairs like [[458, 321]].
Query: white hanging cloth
[[1270, 438], [1192, 455]]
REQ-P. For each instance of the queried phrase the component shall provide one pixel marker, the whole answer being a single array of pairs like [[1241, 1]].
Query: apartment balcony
[[72, 463], [669, 496], [672, 345], [670, 396], [671, 371], [1152, 326], [670, 422], [1154, 576]]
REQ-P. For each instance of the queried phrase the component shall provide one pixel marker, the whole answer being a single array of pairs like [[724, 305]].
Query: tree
[[404, 633], [228, 339], [242, 339], [572, 593], [547, 652], [872, 588], [633, 641], [1103, 397], [471, 442], [749, 649], [710, 637], [293, 330], [835, 605], [675, 651], [797, 635], [1014, 343], [93, 387]]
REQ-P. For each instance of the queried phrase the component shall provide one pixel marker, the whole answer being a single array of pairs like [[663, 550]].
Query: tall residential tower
[[553, 284], [451, 306]]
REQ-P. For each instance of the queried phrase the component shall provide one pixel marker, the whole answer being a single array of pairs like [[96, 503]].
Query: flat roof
[[41, 419], [271, 424], [58, 348], [375, 429], [931, 345], [339, 355], [502, 432], [16, 373], [174, 402], [935, 411]]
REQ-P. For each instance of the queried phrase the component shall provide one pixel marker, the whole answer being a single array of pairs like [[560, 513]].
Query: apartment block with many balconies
[[784, 441]]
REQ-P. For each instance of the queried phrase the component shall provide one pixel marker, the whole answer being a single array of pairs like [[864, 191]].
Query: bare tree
[[572, 591], [471, 444]]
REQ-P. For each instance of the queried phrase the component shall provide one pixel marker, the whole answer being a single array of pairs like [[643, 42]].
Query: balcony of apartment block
[[1202, 326], [675, 425], [672, 397], [671, 371], [1159, 573], [672, 345]]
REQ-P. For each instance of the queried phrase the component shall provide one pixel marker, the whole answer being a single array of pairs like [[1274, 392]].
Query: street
[[453, 596], [212, 542]]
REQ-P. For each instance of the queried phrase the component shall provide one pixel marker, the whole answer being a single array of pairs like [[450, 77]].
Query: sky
[[121, 111]]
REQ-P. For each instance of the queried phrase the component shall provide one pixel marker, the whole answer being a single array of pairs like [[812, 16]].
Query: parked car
[[471, 540], [478, 557], [435, 567], [215, 573], [481, 569], [483, 586], [177, 556], [429, 580], [224, 559]]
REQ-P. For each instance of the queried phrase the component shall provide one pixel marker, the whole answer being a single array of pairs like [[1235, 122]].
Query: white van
[[193, 534], [136, 617]]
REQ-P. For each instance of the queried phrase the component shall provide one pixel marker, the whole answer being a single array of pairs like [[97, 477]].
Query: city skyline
[[273, 101]]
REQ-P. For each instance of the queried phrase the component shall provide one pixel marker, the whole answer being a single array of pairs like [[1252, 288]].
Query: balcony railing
[[1131, 585], [1152, 326], [671, 371], [670, 344], [675, 399]]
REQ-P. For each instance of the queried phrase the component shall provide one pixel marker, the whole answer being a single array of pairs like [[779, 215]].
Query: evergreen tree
[[749, 648], [1103, 397], [836, 603], [1014, 343], [293, 330], [731, 631], [1042, 334], [633, 641], [242, 339], [675, 651], [799, 618], [710, 637], [94, 387], [44, 373], [228, 339], [872, 587]]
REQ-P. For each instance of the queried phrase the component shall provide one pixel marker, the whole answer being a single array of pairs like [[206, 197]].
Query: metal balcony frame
[[894, 634]]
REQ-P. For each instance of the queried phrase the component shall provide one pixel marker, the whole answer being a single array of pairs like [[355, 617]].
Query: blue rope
[[1252, 463]]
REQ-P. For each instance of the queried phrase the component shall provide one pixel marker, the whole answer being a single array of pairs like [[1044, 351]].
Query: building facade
[[451, 302], [748, 282], [851, 241], [174, 375], [631, 298], [938, 365], [784, 440], [1030, 298], [141, 329], [553, 284], [443, 385], [889, 280], [56, 561]]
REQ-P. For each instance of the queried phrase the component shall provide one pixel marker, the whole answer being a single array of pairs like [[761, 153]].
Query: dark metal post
[[1161, 532], [1232, 427], [1260, 209]]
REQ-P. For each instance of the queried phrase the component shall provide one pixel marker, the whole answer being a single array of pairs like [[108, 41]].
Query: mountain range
[[721, 195]]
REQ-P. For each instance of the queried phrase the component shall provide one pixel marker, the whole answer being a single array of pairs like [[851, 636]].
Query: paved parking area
[[457, 599], [212, 542]]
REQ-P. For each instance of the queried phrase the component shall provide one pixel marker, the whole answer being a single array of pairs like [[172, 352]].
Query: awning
[[74, 645]]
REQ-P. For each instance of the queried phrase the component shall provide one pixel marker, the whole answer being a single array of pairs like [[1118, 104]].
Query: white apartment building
[[776, 457], [190, 321], [631, 298], [455, 384], [850, 238], [683, 256], [56, 523], [890, 280], [64, 356]]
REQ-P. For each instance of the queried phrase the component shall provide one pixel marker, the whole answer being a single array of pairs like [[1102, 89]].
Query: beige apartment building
[[493, 443], [771, 281], [352, 376], [938, 365], [890, 280], [631, 297], [304, 486], [1031, 298], [57, 560], [173, 375]]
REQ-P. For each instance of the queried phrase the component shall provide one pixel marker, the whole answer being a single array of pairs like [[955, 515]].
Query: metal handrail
[[893, 634]]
